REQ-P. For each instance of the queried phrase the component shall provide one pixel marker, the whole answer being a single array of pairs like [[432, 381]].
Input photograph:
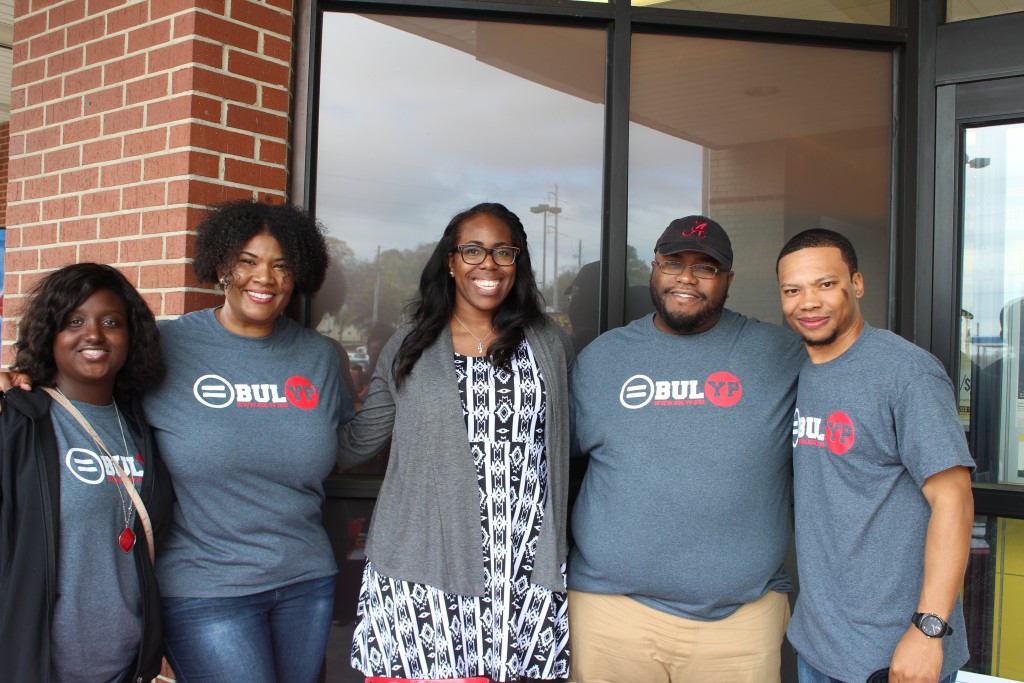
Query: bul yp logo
[[838, 435], [721, 389], [91, 468], [839, 432], [213, 391]]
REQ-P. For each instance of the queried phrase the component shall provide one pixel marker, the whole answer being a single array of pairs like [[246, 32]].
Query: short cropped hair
[[59, 293], [820, 237], [225, 231]]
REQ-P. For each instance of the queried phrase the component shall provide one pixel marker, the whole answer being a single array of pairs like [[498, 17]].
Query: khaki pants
[[615, 639]]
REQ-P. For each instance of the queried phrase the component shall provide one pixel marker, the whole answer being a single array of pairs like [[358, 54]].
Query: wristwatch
[[931, 625]]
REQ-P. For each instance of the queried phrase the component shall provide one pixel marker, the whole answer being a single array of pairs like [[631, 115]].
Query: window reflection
[[876, 12], [421, 118], [992, 308], [993, 594], [958, 10], [768, 140], [346, 522]]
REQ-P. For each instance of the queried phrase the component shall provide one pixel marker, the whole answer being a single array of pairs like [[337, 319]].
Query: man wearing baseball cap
[[683, 519]]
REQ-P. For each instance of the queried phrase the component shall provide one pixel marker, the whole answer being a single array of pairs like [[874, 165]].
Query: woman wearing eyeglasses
[[466, 552]]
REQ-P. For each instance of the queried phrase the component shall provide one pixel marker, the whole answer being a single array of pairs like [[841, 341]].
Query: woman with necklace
[[468, 538], [78, 597]]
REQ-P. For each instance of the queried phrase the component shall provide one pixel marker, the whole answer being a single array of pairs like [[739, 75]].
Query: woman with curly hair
[[79, 598], [247, 421], [466, 551]]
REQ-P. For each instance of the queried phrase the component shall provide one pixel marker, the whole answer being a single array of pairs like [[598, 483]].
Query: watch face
[[932, 626]]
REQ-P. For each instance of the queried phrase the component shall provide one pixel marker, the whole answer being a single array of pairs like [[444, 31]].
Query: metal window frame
[[622, 21], [977, 78]]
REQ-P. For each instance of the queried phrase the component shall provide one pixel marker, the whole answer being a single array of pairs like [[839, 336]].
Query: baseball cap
[[696, 233]]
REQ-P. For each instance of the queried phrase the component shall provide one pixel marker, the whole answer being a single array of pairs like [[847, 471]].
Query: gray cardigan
[[426, 525]]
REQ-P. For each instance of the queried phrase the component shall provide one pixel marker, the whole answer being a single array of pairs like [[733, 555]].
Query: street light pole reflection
[[553, 210]]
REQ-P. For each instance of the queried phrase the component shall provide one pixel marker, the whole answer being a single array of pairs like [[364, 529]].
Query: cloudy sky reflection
[[412, 131]]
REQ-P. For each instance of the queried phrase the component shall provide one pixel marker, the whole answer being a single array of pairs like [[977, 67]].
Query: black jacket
[[29, 508]]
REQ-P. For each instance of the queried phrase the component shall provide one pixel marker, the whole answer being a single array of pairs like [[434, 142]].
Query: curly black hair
[[59, 293], [225, 231], [434, 306]]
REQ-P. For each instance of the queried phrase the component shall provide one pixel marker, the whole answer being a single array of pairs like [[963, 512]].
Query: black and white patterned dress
[[516, 629]]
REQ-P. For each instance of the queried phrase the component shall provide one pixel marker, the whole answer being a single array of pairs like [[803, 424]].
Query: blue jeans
[[275, 636], [808, 674]]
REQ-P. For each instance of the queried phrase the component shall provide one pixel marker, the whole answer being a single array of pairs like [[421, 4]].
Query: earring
[[224, 283], [452, 273]]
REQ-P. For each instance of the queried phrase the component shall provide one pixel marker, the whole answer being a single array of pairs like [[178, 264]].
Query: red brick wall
[[128, 119]]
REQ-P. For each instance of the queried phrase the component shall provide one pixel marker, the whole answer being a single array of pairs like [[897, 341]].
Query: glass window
[[958, 10], [993, 596], [768, 140], [347, 521], [421, 118], [876, 12], [992, 303]]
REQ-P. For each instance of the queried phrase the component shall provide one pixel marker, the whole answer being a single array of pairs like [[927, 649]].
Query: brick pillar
[[128, 119]]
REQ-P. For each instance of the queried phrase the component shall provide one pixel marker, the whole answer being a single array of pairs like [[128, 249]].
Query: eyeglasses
[[474, 254], [699, 270]]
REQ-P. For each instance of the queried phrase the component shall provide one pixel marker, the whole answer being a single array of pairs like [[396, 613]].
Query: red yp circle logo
[[723, 389], [301, 393], [839, 433]]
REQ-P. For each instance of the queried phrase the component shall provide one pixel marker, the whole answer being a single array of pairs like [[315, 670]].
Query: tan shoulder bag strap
[[140, 507]]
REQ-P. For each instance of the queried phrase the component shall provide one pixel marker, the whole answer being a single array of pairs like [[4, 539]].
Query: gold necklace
[[479, 341]]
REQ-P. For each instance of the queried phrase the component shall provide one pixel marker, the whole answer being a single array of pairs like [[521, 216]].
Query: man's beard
[[683, 323], [822, 342]]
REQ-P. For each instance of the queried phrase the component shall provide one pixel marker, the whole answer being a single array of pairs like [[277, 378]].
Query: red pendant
[[126, 540]]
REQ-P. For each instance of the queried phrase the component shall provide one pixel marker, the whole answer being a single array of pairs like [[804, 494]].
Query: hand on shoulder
[[9, 380]]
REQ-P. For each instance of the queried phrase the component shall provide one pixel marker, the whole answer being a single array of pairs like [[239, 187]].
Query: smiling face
[[820, 299], [259, 289], [91, 348], [481, 289], [686, 304]]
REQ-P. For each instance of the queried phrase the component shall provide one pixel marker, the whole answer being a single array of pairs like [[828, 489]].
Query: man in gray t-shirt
[[882, 489], [683, 519]]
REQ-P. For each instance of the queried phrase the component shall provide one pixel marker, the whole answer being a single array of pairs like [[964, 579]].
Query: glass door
[[991, 386], [992, 299]]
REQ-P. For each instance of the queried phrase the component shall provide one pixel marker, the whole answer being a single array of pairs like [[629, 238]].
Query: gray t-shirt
[[94, 576], [248, 430], [685, 504], [870, 427]]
